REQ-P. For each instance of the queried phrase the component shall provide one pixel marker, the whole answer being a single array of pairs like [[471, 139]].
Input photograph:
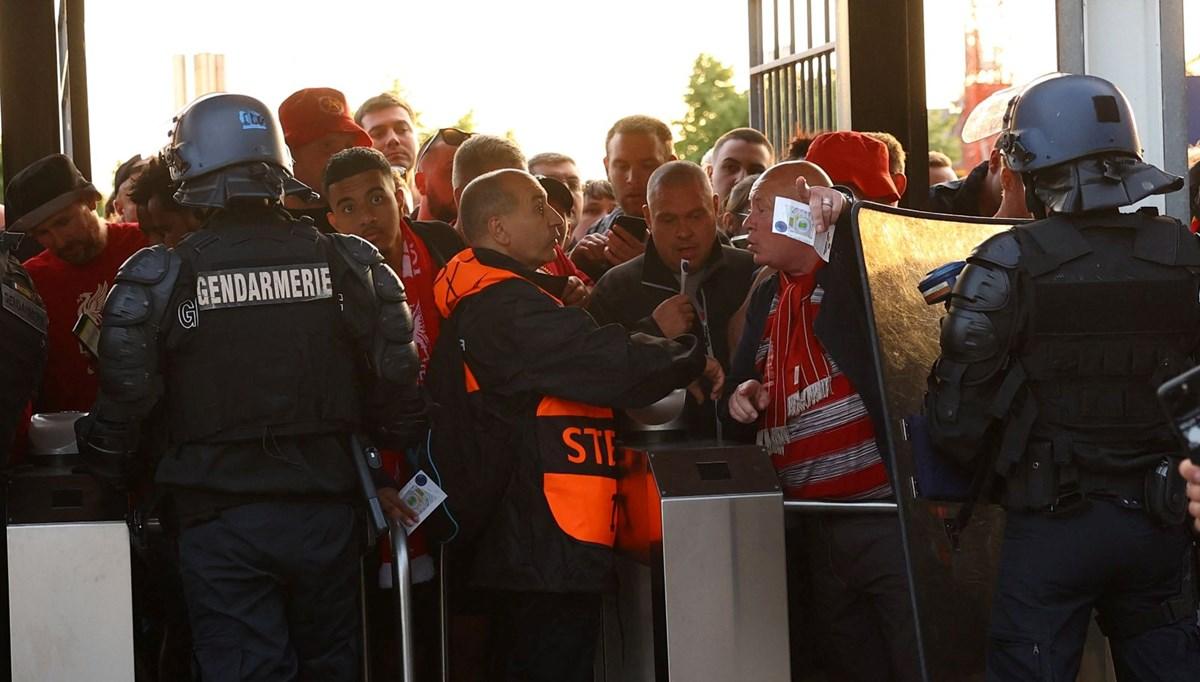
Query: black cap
[[125, 170], [42, 189], [557, 192]]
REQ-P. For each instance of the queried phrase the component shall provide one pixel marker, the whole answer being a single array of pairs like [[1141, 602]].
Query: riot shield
[[952, 587]]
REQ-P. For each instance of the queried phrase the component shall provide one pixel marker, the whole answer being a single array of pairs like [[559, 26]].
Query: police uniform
[[23, 325], [1057, 335], [264, 345]]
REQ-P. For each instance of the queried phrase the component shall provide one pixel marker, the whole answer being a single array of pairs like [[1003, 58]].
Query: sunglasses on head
[[451, 136]]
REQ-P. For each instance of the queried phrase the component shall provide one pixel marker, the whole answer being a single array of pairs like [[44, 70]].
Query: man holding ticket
[[802, 377]]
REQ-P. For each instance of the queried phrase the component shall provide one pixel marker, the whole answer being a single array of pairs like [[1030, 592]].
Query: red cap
[[857, 159], [313, 113]]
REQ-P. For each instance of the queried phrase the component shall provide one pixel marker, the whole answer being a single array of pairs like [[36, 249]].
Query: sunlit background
[[554, 75]]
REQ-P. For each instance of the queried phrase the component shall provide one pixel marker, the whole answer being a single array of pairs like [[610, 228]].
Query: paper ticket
[[823, 243], [793, 219], [423, 496]]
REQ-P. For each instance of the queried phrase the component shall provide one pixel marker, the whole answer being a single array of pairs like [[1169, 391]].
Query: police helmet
[[1074, 140], [1063, 117], [226, 146]]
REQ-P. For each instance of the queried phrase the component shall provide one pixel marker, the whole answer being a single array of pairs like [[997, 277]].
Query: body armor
[[257, 344], [1113, 315], [22, 344], [1057, 336]]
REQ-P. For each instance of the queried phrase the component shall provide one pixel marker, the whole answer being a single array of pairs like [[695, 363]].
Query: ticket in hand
[[422, 496], [793, 219]]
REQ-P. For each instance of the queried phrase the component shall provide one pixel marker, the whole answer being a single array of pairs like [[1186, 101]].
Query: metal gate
[[792, 68]]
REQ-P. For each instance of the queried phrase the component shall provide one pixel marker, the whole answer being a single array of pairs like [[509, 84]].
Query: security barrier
[[402, 584]]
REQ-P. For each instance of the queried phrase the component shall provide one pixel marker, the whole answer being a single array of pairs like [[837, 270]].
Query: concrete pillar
[[1138, 46]]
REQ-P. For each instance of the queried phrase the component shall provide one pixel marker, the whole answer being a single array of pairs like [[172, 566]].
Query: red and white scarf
[[796, 373], [417, 272]]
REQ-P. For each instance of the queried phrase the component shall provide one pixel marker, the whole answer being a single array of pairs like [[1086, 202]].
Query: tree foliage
[[943, 134], [398, 91], [466, 122], [714, 107]]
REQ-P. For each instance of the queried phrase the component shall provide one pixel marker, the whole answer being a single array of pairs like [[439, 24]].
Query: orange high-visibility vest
[[575, 440]]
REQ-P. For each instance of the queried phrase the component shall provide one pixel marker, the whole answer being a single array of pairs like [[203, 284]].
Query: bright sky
[[1026, 53], [556, 73]]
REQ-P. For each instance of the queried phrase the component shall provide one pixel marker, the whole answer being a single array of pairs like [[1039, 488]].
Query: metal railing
[[402, 582], [794, 92], [815, 506]]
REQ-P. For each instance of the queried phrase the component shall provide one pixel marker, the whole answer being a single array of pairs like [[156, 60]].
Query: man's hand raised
[[748, 401], [622, 246], [590, 249], [825, 203]]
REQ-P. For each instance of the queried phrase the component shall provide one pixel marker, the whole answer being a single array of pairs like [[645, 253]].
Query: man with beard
[[434, 178], [54, 204]]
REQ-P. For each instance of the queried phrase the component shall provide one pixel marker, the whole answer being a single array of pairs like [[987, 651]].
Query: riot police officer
[[1057, 335], [262, 345], [23, 325]]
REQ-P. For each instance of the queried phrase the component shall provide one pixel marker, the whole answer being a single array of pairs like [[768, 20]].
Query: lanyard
[[708, 344]]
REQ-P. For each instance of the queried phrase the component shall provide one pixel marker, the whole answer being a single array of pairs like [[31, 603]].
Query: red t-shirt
[[70, 291]]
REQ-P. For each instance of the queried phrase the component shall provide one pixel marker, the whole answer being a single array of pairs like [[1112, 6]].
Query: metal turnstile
[[70, 602], [702, 588]]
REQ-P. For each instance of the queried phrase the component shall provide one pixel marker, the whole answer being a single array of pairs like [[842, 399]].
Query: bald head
[[675, 174], [769, 248], [780, 179], [491, 195], [506, 211]]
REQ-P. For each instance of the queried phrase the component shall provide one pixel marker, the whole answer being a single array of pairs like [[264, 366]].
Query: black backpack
[[462, 454]]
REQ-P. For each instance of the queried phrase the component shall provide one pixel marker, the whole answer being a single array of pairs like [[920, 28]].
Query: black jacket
[[443, 241], [522, 346], [630, 292], [841, 326], [960, 197], [210, 473]]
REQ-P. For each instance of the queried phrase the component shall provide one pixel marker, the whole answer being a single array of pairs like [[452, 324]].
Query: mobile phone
[[740, 241], [636, 227], [1180, 399]]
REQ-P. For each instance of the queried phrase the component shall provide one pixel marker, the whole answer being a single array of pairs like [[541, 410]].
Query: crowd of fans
[[666, 248]]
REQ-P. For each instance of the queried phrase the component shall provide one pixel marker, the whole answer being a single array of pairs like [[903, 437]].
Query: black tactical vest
[[258, 346], [23, 324], [1112, 310]]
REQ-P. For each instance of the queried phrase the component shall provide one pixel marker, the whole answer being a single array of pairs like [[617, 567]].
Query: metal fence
[[792, 68]]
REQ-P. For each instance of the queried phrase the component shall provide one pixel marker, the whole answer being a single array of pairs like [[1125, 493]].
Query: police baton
[[365, 459]]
